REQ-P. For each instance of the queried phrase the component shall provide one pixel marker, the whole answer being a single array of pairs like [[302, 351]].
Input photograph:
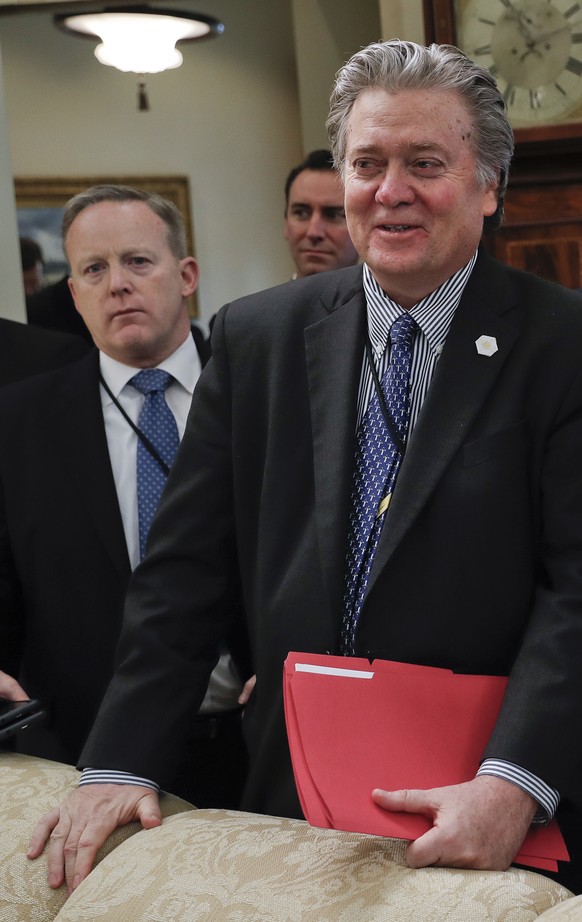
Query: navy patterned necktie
[[157, 423], [376, 464]]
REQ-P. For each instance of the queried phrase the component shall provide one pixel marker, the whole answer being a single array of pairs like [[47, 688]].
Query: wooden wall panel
[[542, 232]]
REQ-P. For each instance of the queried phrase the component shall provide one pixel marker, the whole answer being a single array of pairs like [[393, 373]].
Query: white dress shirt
[[184, 365]]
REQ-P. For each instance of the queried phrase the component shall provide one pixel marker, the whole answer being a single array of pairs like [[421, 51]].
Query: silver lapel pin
[[486, 345]]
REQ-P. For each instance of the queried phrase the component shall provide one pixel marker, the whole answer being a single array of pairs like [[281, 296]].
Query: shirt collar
[[181, 364], [434, 314]]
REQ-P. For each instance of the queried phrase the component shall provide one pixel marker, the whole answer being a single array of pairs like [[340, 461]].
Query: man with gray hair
[[385, 466]]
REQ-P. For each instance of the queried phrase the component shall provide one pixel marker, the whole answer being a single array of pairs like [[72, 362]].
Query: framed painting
[[40, 202]]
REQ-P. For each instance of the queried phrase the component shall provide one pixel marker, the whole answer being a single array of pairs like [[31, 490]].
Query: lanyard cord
[[141, 435], [394, 435]]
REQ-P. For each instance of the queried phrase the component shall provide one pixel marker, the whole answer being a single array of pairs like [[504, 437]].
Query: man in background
[[76, 492], [315, 220], [32, 265], [26, 351], [53, 308]]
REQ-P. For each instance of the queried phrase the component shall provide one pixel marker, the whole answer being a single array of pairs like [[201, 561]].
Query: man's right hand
[[9, 688], [80, 825]]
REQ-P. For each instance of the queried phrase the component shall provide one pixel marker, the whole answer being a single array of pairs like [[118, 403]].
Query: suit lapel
[[461, 383], [334, 350], [76, 425]]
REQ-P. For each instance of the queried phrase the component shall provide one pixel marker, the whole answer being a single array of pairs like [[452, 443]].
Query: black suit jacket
[[479, 567], [64, 565], [26, 351], [54, 309]]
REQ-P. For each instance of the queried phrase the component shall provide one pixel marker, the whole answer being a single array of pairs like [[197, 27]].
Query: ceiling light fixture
[[139, 39]]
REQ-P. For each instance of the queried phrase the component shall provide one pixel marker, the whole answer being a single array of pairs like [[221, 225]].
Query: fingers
[[73, 845], [247, 690], [479, 824], [427, 851], [450, 846], [405, 801], [77, 852], [148, 811], [10, 688], [41, 834], [77, 829]]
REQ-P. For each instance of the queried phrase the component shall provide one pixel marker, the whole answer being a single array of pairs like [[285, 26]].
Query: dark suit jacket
[[479, 566], [64, 565], [54, 309], [26, 351]]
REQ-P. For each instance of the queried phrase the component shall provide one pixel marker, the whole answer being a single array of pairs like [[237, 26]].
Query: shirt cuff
[[103, 776], [546, 797]]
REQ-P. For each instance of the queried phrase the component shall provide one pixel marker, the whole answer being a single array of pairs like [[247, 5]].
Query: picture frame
[[40, 201]]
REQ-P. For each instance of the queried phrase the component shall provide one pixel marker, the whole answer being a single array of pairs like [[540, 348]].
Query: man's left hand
[[479, 824]]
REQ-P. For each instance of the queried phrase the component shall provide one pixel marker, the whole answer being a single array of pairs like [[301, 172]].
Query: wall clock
[[534, 50]]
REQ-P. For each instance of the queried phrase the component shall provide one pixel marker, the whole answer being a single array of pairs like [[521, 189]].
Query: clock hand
[[545, 35], [529, 51], [518, 13], [521, 19]]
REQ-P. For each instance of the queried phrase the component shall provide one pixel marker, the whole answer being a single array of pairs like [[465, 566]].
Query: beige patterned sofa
[[220, 866]]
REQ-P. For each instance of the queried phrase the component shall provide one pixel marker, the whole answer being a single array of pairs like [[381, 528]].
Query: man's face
[[414, 207], [315, 223], [127, 285], [32, 279]]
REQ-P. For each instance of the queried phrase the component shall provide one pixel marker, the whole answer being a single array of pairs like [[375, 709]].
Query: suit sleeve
[[541, 710], [11, 603]]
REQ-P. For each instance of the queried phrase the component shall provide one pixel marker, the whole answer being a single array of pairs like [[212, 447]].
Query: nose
[[316, 226], [119, 279], [395, 187]]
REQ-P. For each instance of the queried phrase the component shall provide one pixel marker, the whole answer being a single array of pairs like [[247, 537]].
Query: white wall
[[402, 19], [228, 118], [327, 33], [232, 119], [11, 290]]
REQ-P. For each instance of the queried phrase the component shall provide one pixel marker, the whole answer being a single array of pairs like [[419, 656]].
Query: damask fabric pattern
[[220, 866], [568, 911], [30, 788]]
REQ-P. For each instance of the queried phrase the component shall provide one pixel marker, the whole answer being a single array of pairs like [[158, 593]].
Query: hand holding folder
[[354, 727]]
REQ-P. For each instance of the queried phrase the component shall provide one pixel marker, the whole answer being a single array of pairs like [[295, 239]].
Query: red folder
[[355, 726]]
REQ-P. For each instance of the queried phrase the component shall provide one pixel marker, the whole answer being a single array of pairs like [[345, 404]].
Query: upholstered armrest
[[567, 911], [29, 788], [216, 866]]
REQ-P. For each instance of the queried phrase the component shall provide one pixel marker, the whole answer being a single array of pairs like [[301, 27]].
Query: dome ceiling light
[[139, 39]]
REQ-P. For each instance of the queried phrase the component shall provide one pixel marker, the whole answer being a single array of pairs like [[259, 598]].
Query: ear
[[190, 274], [490, 198]]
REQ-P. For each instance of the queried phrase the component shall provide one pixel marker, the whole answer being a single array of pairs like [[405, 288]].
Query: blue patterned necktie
[[157, 423], [376, 463]]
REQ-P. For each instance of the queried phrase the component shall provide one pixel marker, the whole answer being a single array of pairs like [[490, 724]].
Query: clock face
[[533, 48]]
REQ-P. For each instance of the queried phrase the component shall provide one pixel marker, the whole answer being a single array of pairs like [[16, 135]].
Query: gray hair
[[165, 210], [398, 65]]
